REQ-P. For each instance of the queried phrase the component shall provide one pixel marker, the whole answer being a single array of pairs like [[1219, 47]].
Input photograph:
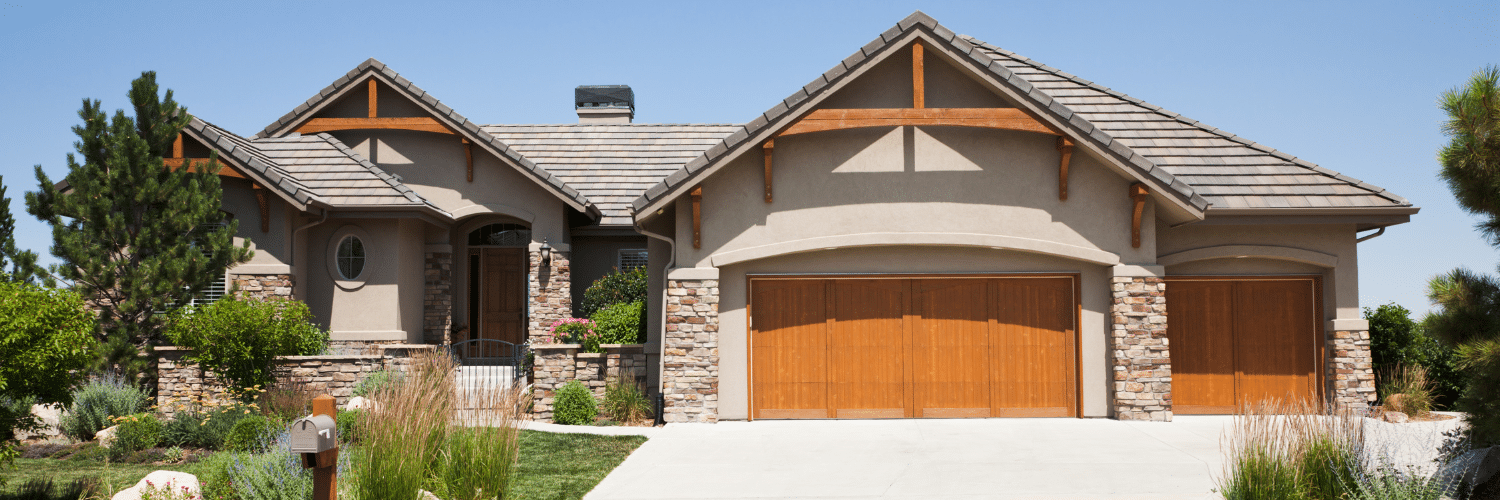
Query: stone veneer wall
[[690, 351], [437, 298], [262, 286], [1138, 339], [549, 291], [1350, 373], [181, 383], [556, 364]]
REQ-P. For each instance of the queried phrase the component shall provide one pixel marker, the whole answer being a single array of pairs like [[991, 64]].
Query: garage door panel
[[1274, 342], [1202, 346], [867, 347], [950, 347], [790, 350], [1032, 348]]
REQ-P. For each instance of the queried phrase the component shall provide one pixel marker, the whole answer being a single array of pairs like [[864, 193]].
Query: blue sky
[[1349, 86]]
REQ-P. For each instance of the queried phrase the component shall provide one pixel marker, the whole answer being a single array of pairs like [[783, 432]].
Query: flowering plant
[[575, 331]]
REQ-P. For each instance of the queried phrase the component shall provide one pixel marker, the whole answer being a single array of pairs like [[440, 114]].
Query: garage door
[[1240, 340], [913, 347]]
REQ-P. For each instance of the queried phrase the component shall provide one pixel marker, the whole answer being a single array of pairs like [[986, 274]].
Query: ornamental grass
[[1291, 450]]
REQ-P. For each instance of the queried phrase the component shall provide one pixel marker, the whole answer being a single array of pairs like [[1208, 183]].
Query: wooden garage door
[[1237, 341], [913, 347]]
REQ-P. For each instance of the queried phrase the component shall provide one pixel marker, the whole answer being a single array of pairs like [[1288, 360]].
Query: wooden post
[[374, 102], [918, 78], [697, 196], [769, 150], [325, 475]]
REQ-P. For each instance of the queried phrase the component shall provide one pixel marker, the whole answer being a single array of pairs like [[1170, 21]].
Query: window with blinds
[[631, 259]]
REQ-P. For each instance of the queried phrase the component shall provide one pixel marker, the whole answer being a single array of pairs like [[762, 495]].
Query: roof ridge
[[1189, 121], [379, 172]]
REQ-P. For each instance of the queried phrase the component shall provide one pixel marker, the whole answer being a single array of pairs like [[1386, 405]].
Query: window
[[631, 259], [351, 257], [218, 282], [501, 235]]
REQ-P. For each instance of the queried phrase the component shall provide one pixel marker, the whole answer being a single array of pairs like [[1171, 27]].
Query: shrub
[[1397, 340], [239, 339], [618, 287], [252, 433], [1406, 390], [572, 331], [97, 403], [46, 340], [374, 382], [623, 323], [574, 405], [135, 433], [286, 401], [624, 401], [347, 422], [202, 430], [275, 474]]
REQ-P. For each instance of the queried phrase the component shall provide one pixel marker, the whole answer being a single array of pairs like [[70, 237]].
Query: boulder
[[1395, 417], [361, 403], [48, 415], [181, 484], [106, 436]]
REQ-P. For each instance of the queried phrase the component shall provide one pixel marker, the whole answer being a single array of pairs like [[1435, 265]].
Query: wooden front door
[[913, 347], [1239, 341], [502, 298]]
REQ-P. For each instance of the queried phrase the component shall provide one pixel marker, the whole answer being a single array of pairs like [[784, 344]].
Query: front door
[[502, 304]]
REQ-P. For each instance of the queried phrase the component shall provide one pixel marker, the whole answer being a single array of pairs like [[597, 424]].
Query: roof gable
[[450, 121]]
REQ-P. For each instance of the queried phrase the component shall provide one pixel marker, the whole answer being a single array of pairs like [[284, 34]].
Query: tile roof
[[1184, 158], [317, 167], [612, 164], [452, 119], [1229, 171]]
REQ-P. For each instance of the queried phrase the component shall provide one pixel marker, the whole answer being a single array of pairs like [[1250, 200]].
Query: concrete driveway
[[979, 458]]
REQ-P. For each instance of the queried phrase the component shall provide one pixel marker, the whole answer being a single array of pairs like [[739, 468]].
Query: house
[[935, 227]]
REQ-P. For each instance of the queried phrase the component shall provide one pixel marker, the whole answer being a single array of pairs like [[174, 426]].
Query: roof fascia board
[[398, 212], [1377, 219], [472, 132], [919, 31], [1231, 212], [255, 175]]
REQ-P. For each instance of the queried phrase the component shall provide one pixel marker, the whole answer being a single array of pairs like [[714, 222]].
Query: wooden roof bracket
[[769, 151], [468, 158], [374, 102], [1065, 147], [918, 78], [697, 195], [1138, 195], [265, 207]]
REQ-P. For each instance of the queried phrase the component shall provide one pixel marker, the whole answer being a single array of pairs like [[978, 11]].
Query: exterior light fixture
[[546, 253]]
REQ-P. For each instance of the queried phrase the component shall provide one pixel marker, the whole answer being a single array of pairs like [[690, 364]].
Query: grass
[[567, 466], [116, 476]]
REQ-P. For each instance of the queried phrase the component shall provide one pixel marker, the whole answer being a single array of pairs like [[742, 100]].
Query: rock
[[48, 415], [106, 436], [427, 495], [1395, 417], [182, 484], [361, 403]]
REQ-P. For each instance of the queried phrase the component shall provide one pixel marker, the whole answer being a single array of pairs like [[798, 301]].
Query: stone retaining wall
[[690, 357], [557, 364], [1138, 340], [181, 384]]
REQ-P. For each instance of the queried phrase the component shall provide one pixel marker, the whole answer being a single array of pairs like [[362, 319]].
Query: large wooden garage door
[[1238, 341], [913, 347]]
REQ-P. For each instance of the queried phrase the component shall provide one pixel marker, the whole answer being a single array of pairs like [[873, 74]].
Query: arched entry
[[497, 282]]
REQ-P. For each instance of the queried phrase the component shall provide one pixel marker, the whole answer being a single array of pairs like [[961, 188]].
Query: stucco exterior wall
[[385, 304], [734, 287], [595, 256], [272, 248], [1328, 250]]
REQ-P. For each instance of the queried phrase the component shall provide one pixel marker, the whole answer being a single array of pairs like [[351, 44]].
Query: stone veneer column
[[1138, 339], [1350, 372], [549, 291], [262, 286], [690, 350], [437, 299]]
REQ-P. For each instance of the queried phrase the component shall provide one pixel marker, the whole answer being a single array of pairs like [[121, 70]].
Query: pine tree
[[1470, 316], [135, 237], [22, 263]]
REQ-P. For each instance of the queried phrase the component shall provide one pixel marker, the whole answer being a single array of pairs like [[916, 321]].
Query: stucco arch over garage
[[998, 242], [1293, 254]]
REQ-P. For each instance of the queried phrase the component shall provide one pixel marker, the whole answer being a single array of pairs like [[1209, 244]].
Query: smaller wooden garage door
[[913, 347], [1236, 341]]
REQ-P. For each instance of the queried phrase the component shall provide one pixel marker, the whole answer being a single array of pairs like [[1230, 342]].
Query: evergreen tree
[[135, 237], [1470, 316], [22, 263]]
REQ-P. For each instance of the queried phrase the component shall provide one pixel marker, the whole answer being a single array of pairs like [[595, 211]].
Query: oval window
[[351, 257]]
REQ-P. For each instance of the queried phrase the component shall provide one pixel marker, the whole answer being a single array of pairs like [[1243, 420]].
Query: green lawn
[[552, 466], [566, 466]]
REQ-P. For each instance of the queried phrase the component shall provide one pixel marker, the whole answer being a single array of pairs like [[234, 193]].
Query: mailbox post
[[316, 438]]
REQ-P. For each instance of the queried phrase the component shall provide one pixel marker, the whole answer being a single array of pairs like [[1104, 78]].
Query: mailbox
[[314, 434]]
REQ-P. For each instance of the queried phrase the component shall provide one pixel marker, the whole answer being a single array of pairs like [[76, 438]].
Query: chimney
[[604, 104]]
